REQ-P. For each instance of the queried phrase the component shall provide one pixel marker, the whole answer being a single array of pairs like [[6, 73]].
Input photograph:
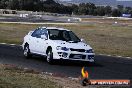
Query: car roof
[[55, 28]]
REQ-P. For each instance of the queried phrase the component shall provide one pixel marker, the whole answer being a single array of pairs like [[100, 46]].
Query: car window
[[66, 35], [38, 32], [55, 34], [73, 37], [44, 32]]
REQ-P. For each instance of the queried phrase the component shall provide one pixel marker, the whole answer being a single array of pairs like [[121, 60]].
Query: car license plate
[[77, 56]]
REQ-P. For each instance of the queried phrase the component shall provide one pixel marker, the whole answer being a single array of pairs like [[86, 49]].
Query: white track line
[[10, 44], [114, 56]]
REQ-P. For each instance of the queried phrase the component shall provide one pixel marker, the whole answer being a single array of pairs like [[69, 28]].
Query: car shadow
[[68, 62], [78, 63]]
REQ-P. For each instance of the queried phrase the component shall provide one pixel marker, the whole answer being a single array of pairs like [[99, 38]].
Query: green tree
[[116, 12], [91, 8], [100, 10], [4, 4], [120, 7], [75, 9], [108, 10], [127, 10], [82, 9], [13, 4]]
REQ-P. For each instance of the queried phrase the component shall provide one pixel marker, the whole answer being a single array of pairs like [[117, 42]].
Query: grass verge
[[17, 77], [13, 77]]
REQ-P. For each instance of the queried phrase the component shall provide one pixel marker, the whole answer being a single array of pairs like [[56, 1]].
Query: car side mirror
[[44, 37], [82, 40]]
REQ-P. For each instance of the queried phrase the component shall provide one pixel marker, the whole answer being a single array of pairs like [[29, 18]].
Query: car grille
[[90, 56], [77, 56], [78, 50]]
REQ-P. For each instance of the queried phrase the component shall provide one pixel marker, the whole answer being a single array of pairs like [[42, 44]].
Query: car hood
[[78, 45]]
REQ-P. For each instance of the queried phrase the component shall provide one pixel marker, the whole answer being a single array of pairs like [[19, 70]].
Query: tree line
[[54, 7]]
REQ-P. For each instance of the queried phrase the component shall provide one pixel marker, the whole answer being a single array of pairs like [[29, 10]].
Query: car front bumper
[[74, 55]]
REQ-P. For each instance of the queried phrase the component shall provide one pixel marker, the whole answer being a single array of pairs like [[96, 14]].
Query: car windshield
[[64, 35]]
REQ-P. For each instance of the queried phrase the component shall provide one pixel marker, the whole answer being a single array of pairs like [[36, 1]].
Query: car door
[[34, 40], [42, 43]]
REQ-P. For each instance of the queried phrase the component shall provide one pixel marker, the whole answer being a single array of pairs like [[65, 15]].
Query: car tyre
[[50, 56], [26, 52]]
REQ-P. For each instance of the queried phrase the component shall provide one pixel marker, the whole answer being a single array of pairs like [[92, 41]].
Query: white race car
[[55, 44]]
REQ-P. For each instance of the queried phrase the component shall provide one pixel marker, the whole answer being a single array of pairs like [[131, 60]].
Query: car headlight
[[90, 51], [62, 48], [58, 47]]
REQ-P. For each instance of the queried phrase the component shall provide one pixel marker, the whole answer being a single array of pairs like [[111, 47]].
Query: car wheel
[[26, 52], [50, 56]]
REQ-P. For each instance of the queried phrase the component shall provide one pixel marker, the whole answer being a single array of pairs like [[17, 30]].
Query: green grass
[[104, 38], [13, 77]]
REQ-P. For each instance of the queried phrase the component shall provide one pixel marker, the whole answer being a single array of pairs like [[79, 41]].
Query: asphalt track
[[105, 67]]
